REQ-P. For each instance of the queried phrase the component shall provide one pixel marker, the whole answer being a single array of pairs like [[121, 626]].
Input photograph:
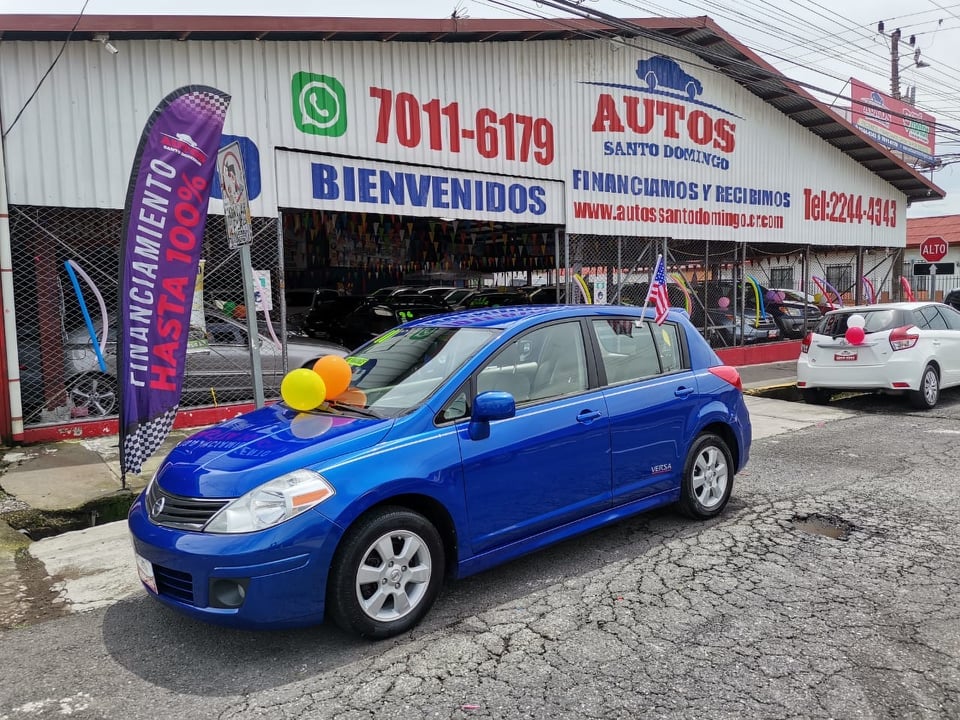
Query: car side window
[[456, 409], [562, 362], [512, 369], [546, 362], [224, 333], [951, 317], [627, 349], [667, 339], [929, 319]]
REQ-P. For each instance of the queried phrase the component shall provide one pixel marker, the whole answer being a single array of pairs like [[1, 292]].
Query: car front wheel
[[929, 393], [707, 477], [386, 573]]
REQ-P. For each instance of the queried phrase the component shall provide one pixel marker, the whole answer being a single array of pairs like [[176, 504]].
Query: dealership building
[[378, 152]]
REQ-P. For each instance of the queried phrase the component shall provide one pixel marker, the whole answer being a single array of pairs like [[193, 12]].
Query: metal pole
[[282, 272], [9, 316], [556, 265], [253, 334], [858, 283]]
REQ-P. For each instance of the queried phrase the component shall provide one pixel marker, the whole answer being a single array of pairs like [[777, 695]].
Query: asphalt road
[[828, 589]]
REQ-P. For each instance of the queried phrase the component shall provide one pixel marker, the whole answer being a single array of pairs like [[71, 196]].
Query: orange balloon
[[336, 374], [353, 396]]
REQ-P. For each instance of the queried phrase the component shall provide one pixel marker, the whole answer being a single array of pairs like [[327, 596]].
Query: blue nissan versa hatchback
[[475, 437]]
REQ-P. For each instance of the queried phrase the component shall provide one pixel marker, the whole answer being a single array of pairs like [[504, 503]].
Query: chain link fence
[[736, 294], [66, 269]]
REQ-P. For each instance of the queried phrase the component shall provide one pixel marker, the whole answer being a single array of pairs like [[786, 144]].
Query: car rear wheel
[[707, 477], [815, 396], [386, 573], [929, 393], [92, 395]]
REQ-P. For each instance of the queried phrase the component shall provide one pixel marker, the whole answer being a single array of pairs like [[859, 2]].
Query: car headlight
[[272, 503]]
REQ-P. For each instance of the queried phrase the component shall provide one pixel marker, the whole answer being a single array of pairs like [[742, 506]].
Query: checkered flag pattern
[[141, 444], [207, 103]]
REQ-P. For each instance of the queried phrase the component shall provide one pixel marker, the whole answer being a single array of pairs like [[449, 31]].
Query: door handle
[[588, 416], [682, 392]]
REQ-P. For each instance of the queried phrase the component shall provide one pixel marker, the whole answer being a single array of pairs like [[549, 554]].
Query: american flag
[[658, 292]]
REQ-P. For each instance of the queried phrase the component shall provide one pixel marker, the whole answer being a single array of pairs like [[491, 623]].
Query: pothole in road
[[831, 526]]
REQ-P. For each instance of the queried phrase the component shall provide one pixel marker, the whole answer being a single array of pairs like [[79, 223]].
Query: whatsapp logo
[[319, 104]]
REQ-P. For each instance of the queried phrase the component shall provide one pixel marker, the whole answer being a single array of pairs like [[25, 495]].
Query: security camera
[[104, 40]]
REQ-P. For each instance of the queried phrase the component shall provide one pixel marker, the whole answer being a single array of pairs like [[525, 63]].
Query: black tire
[[815, 396], [929, 393], [93, 395], [707, 478], [401, 592]]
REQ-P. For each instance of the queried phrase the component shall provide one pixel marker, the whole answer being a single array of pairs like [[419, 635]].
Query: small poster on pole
[[233, 187]]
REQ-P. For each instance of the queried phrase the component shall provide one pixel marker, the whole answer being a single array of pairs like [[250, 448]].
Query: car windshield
[[400, 369], [835, 324]]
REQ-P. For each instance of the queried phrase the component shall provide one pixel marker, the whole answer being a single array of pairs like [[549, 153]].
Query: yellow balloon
[[302, 389], [336, 374], [818, 298]]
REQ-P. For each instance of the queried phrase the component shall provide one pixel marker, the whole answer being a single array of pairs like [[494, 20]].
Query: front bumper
[[282, 570]]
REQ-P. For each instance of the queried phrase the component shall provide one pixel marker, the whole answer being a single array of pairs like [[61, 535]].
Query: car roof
[[885, 306], [507, 316]]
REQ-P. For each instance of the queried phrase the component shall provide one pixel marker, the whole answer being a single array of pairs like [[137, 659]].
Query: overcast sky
[[805, 39]]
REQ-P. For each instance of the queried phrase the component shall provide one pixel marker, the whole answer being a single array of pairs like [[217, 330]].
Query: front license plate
[[772, 333], [845, 358], [145, 570]]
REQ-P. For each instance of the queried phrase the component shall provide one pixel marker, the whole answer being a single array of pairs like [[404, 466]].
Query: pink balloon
[[855, 335], [723, 302]]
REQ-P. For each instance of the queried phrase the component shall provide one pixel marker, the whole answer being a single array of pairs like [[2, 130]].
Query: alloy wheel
[[710, 477], [393, 576]]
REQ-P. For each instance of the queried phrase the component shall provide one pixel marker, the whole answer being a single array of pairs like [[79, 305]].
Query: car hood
[[232, 458]]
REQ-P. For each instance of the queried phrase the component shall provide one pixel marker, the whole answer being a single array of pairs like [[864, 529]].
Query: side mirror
[[487, 406]]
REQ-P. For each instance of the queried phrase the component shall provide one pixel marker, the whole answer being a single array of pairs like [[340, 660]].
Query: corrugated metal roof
[[700, 35], [945, 226]]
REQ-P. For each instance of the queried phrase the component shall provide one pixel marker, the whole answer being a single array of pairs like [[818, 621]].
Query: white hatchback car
[[910, 348]]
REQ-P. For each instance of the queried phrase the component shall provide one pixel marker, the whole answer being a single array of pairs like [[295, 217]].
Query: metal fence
[[66, 268], [729, 289], [735, 293]]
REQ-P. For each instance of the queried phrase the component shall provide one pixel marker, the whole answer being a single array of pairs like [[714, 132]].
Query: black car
[[793, 318], [713, 314], [324, 318], [378, 315], [953, 299], [492, 298]]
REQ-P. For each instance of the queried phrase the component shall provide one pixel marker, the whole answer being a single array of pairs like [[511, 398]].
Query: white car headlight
[[272, 503]]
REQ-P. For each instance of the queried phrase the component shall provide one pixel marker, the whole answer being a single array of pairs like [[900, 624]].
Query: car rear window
[[835, 324]]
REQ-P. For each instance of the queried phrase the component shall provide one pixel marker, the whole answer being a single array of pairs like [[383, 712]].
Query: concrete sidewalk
[[93, 567]]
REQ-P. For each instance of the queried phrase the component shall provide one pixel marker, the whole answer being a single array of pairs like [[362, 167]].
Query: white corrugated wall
[[75, 142]]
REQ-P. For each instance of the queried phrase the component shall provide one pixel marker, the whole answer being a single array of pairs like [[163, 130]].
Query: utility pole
[[895, 58], [895, 64]]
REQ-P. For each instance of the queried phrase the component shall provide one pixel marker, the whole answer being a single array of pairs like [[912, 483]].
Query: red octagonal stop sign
[[934, 249]]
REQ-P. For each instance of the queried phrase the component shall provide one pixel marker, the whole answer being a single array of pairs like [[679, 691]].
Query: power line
[[63, 47]]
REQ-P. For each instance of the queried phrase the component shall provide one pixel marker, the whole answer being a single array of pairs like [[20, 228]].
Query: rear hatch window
[[835, 324]]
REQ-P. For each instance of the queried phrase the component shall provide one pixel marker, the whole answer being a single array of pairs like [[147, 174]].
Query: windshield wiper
[[347, 407]]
